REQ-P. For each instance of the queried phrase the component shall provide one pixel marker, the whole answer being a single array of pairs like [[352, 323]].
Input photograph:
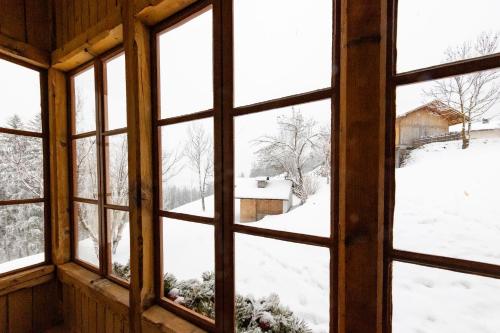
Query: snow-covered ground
[[447, 204], [22, 262]]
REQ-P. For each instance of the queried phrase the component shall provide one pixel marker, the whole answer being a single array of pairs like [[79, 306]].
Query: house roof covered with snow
[[438, 108], [278, 189]]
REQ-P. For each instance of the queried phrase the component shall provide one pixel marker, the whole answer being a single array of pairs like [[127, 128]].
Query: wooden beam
[[361, 165], [59, 186], [153, 11], [96, 40], [26, 279], [156, 319], [140, 154], [24, 51]]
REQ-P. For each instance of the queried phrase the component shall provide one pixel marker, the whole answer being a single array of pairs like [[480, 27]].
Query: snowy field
[[447, 204]]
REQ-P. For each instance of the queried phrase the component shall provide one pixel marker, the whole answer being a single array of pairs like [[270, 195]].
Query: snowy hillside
[[447, 204]]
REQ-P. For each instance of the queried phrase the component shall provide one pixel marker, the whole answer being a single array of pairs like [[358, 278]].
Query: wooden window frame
[[223, 113], [44, 135], [100, 133], [394, 80]]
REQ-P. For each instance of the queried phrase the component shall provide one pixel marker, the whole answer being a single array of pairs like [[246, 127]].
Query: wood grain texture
[[3, 314], [20, 304], [361, 143]]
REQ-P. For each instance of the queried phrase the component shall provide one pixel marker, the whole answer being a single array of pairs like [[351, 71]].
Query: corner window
[[99, 158]]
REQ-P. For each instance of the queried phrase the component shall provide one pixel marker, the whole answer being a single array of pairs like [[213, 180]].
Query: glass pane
[[116, 93], [430, 300], [87, 233], [84, 102], [187, 167], [447, 182], [283, 50], [21, 167], [189, 265], [434, 32], [117, 169], [186, 70], [85, 168], [22, 235], [20, 105], [281, 286], [282, 169], [120, 243]]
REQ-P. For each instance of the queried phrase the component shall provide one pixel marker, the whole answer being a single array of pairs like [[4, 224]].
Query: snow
[[447, 201], [246, 188], [22, 262], [478, 125], [447, 204]]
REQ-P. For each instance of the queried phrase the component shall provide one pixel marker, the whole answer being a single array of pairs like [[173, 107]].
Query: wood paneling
[[76, 17], [91, 303], [26, 21], [30, 309]]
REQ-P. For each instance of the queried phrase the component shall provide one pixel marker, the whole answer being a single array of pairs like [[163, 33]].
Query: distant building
[[260, 197], [431, 119]]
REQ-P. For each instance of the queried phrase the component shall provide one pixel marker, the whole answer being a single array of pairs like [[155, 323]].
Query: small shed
[[260, 197], [431, 119]]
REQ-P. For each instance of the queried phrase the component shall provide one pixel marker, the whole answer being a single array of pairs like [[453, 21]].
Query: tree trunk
[[465, 141]]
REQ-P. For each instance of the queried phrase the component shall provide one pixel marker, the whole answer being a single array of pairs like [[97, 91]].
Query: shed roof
[[278, 189], [438, 108]]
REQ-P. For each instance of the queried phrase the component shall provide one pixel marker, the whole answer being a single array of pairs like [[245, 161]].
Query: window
[[444, 249], [99, 157], [244, 212], [24, 175]]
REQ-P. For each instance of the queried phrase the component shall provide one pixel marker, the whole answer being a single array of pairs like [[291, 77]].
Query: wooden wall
[[91, 303], [28, 302], [419, 124], [74, 17], [26, 21]]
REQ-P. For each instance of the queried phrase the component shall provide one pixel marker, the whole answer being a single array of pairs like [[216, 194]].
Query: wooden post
[[59, 185], [361, 165], [139, 118]]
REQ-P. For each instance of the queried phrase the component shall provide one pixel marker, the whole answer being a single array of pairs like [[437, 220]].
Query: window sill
[[102, 289], [26, 279], [157, 319]]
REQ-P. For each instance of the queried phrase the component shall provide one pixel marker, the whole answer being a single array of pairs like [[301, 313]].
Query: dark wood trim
[[283, 235], [22, 132], [186, 217], [283, 102], [83, 135], [87, 201], [116, 207], [447, 263], [112, 132], [450, 69], [22, 201], [185, 118], [189, 315]]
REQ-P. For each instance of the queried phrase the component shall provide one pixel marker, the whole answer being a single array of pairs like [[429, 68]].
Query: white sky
[[19, 92]]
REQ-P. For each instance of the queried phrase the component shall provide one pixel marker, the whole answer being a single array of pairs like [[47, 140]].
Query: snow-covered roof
[[246, 188], [478, 126], [440, 109]]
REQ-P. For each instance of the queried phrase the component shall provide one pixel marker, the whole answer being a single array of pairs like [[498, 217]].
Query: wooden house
[[261, 197], [431, 119]]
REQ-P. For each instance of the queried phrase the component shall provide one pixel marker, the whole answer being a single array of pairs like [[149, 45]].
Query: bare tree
[[472, 94], [289, 152], [199, 152]]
